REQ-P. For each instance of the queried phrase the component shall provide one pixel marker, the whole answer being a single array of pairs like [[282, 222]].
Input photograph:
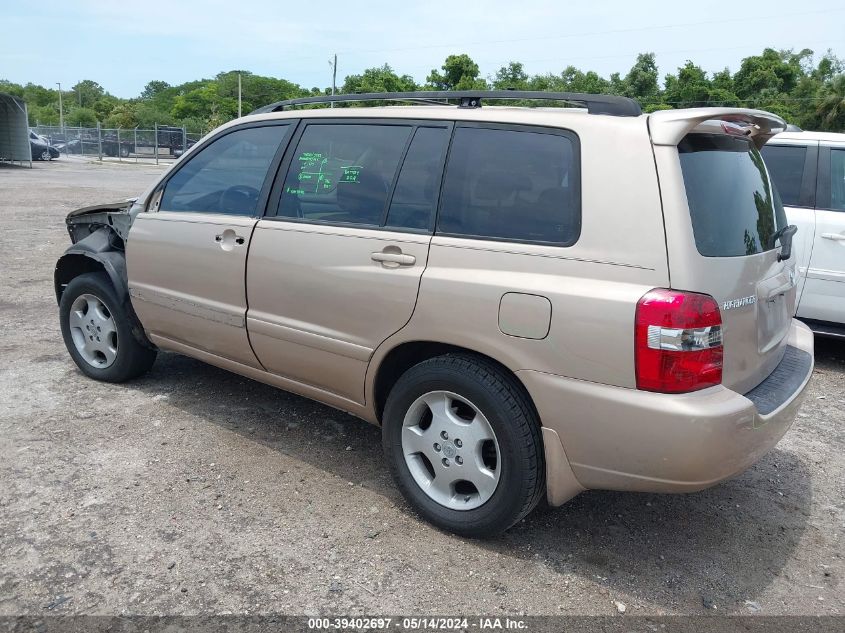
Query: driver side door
[[186, 254]]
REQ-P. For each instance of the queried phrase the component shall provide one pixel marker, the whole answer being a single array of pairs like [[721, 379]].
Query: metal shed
[[14, 130]]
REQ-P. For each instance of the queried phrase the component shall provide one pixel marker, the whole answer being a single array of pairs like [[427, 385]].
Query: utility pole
[[61, 113], [334, 76], [239, 94]]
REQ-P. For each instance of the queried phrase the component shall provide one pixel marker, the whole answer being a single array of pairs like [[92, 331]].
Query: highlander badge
[[730, 304]]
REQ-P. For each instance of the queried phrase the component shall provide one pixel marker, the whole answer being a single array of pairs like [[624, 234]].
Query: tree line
[[805, 91]]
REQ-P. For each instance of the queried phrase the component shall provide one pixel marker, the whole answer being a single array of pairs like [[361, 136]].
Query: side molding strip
[[187, 307]]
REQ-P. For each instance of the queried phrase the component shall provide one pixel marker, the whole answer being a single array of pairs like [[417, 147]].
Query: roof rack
[[595, 104]]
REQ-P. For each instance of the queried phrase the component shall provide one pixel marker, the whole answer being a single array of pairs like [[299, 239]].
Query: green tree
[[45, 115], [641, 81], [206, 103], [788, 83], [690, 89], [379, 79], [154, 88], [104, 106], [82, 117], [13, 89], [148, 114], [571, 80], [511, 77], [831, 109], [459, 73], [124, 115], [722, 80], [87, 92], [39, 95]]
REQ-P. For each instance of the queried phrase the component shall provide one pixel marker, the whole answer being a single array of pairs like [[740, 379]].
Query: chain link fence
[[159, 143]]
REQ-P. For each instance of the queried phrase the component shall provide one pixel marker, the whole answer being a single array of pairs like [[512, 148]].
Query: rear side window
[[227, 175], [786, 167], [512, 185], [734, 209], [415, 196], [342, 173]]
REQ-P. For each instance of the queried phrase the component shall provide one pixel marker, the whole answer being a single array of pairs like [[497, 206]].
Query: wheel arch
[[403, 356], [98, 253], [76, 262]]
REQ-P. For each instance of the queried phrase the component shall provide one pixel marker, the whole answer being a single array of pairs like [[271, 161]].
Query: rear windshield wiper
[[785, 236]]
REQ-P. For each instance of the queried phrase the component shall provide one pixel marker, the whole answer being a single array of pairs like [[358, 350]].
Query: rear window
[[734, 209], [786, 165]]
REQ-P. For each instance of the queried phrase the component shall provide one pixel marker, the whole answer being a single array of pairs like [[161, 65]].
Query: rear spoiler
[[668, 127]]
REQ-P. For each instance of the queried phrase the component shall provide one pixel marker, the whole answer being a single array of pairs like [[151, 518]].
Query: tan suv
[[528, 301]]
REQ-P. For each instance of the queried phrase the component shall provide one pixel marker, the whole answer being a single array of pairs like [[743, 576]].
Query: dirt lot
[[193, 490]]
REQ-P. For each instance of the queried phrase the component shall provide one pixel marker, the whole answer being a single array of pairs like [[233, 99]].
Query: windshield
[[734, 210]]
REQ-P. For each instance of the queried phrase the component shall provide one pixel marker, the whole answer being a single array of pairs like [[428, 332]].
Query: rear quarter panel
[[593, 286]]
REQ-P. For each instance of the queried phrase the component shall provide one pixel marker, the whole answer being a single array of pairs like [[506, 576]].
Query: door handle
[[839, 237], [400, 259], [238, 239]]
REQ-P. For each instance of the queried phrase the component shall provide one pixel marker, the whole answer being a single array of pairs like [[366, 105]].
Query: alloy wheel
[[451, 450], [93, 330]]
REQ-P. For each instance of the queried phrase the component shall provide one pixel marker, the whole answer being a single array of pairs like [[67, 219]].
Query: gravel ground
[[193, 490]]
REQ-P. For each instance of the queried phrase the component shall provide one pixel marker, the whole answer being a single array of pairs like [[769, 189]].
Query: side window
[[786, 165], [837, 179], [511, 185], [415, 196], [227, 175], [343, 172]]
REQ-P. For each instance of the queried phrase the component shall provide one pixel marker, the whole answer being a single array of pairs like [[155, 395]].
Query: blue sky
[[124, 44]]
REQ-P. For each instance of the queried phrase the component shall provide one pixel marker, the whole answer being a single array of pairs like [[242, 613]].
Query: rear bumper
[[623, 439]]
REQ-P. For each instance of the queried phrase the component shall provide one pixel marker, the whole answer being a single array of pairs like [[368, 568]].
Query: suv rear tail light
[[677, 341]]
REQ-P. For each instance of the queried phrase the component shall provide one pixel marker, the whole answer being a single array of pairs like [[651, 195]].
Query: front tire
[[97, 331], [45, 155], [463, 444]]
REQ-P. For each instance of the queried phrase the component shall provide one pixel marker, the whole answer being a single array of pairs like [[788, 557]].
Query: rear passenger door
[[335, 267], [824, 293], [793, 171]]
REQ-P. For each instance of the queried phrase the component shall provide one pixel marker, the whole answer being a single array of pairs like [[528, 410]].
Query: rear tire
[[97, 331], [425, 439]]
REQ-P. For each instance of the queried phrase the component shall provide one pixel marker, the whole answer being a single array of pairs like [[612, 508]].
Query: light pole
[[61, 112], [239, 95], [333, 64]]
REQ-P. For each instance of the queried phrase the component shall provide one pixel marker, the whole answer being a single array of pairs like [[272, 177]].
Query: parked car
[[529, 301], [809, 171], [84, 145], [33, 136], [112, 147], [42, 151]]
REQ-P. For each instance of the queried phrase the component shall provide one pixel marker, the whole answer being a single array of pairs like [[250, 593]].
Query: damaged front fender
[[101, 250], [116, 216], [99, 236]]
